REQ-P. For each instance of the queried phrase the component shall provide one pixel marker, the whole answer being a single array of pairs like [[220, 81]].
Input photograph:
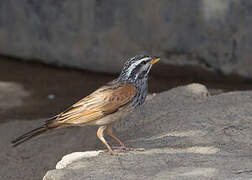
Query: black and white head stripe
[[136, 67], [136, 63]]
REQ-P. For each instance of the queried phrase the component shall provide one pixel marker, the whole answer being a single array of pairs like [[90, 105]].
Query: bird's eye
[[143, 62]]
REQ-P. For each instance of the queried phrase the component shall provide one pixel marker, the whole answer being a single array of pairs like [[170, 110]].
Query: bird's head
[[137, 68]]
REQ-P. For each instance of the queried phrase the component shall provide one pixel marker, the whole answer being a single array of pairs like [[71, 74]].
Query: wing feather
[[105, 100]]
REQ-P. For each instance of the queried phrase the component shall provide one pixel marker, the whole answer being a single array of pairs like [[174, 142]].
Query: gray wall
[[99, 35]]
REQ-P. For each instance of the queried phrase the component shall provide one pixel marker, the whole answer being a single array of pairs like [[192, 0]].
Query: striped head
[[137, 68]]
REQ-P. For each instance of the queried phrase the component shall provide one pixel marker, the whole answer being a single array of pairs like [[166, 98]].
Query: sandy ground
[[31, 92]]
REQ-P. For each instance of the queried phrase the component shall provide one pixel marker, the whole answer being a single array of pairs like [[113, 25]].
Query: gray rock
[[11, 95], [33, 159], [186, 133], [100, 35]]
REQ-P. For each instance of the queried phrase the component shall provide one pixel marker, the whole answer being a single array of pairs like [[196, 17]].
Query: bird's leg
[[109, 132], [101, 137]]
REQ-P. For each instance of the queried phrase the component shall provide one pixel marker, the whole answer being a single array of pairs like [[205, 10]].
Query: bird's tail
[[29, 135], [49, 124]]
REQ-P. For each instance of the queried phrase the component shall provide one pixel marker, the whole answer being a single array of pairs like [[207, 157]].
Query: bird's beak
[[154, 61]]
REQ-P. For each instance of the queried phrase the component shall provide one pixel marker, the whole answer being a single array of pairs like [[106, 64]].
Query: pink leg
[[109, 132], [101, 137]]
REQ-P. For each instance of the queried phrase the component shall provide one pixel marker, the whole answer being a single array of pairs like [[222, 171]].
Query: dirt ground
[[45, 91]]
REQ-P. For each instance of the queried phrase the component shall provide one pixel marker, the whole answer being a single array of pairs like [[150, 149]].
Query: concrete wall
[[99, 35]]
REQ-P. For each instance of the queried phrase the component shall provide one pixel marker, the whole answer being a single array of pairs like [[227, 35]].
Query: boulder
[[186, 133], [100, 35], [11, 95]]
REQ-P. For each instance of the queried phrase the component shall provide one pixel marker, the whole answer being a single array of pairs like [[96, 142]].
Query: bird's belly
[[117, 116]]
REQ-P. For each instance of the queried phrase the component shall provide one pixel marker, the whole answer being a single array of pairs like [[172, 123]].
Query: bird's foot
[[124, 148], [109, 153]]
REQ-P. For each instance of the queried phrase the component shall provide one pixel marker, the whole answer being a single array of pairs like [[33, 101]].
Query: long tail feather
[[49, 124], [29, 135]]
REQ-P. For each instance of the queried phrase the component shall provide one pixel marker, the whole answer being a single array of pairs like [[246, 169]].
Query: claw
[[128, 148]]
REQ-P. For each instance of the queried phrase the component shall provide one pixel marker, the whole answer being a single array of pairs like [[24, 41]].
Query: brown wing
[[104, 101]]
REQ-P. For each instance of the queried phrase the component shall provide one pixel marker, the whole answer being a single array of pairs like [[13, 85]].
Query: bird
[[109, 103]]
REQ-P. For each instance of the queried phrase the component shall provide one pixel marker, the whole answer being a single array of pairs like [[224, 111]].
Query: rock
[[70, 158], [186, 135], [11, 95], [198, 89], [100, 36], [31, 160]]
